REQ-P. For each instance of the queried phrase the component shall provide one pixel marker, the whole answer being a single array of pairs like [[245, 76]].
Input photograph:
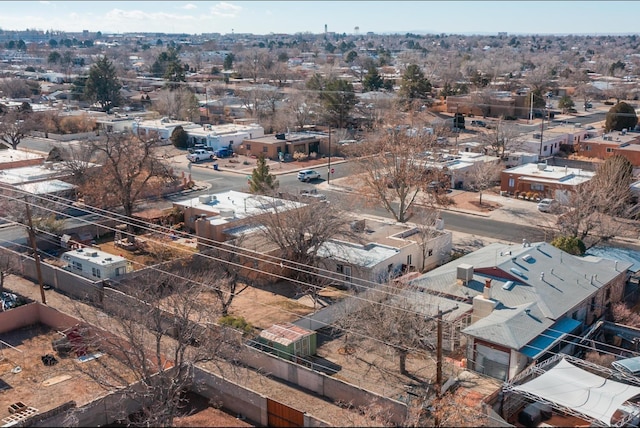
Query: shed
[[287, 341]]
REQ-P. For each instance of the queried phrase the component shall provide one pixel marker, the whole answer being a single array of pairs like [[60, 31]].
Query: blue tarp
[[549, 337]]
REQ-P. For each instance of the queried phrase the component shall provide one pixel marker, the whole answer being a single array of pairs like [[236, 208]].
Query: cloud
[[189, 6], [119, 14], [226, 10]]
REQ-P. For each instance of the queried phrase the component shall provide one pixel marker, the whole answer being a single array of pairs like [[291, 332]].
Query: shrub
[[300, 156], [237, 323], [529, 195], [76, 124]]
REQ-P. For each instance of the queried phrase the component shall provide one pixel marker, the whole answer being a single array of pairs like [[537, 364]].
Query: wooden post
[[36, 256]]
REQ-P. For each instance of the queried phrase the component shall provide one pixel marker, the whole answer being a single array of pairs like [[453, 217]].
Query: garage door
[[492, 362]]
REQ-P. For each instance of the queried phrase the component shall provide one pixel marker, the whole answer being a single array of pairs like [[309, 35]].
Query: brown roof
[[285, 333]]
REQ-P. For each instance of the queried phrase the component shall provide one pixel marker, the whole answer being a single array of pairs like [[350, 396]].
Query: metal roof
[[545, 280]]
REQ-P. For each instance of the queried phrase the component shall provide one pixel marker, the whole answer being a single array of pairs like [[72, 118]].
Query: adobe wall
[[19, 317], [231, 396]]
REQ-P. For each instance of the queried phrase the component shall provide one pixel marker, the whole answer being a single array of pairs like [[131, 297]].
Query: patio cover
[[572, 387]]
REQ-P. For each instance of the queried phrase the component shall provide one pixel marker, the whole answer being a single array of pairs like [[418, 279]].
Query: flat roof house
[[545, 180], [610, 144], [385, 251]]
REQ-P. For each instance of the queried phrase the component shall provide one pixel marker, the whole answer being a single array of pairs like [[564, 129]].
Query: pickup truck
[[199, 155]]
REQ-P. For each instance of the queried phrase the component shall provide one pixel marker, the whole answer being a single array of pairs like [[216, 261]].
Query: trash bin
[[215, 167]]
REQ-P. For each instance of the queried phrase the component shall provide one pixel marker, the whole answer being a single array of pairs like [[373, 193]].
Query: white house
[[224, 136], [214, 136], [95, 264], [163, 127], [385, 251]]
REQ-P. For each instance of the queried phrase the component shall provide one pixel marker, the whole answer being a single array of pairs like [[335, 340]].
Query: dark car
[[479, 123], [223, 153]]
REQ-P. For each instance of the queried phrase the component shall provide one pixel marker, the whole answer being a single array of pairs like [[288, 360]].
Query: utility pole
[[439, 356], [329, 165], [36, 256]]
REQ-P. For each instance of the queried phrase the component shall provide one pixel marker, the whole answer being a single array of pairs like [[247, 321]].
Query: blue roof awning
[[550, 337]]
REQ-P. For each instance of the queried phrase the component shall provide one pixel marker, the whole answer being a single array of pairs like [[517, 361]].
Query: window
[[265, 149], [339, 268], [409, 260], [593, 303], [609, 150], [95, 272], [537, 186], [587, 148], [545, 149], [512, 182], [247, 146], [430, 253], [76, 265]]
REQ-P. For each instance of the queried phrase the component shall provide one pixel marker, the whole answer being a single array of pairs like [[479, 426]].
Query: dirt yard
[[276, 303], [471, 201]]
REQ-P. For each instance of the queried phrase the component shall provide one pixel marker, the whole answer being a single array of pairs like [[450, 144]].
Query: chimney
[[486, 292]]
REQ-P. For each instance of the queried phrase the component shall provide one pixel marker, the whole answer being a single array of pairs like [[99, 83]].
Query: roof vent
[[508, 285], [517, 272], [527, 257]]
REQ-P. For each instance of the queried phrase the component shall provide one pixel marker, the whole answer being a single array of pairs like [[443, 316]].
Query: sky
[[265, 17]]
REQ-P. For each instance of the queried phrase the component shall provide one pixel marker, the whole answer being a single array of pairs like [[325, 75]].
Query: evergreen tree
[[262, 181], [102, 85], [372, 80], [414, 85], [621, 116], [228, 61], [179, 137]]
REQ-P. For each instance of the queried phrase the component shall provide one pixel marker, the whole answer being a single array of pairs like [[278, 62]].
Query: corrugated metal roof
[[285, 333]]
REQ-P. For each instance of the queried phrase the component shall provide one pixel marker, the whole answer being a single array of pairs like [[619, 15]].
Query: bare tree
[[597, 210], [159, 331], [132, 169], [7, 267], [300, 233], [502, 138], [484, 175], [14, 126], [180, 104], [226, 270], [392, 169], [390, 316], [77, 162]]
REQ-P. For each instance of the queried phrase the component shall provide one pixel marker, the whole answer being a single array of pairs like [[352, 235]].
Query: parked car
[[547, 205], [199, 155], [308, 175], [479, 123], [223, 153], [199, 147]]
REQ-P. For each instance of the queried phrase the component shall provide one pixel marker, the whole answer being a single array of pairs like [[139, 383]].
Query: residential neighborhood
[[319, 228]]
